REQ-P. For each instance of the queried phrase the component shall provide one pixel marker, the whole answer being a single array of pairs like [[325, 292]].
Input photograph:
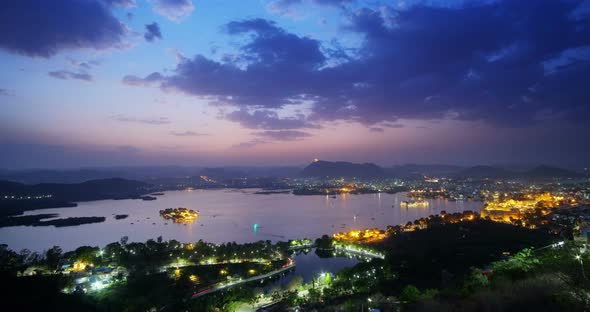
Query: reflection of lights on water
[[255, 227]]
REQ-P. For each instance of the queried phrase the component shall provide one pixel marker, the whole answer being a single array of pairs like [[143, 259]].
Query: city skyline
[[180, 82]]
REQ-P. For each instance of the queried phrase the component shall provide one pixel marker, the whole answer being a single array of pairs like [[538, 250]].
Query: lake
[[225, 215]]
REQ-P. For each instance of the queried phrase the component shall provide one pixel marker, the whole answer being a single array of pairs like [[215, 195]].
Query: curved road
[[238, 282]]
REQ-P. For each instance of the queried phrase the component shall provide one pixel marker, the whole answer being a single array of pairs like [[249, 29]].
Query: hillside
[[485, 172], [17, 197], [323, 168], [551, 172]]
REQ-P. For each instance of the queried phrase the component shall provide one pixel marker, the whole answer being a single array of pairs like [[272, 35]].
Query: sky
[[87, 83]]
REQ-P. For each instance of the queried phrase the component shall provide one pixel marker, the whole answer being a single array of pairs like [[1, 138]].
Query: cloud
[[4, 92], [148, 121], [175, 10], [187, 134], [286, 4], [152, 32], [120, 3], [82, 65], [481, 61], [283, 135], [137, 81], [67, 75], [267, 119], [40, 28], [250, 144], [392, 125], [270, 136], [376, 129]]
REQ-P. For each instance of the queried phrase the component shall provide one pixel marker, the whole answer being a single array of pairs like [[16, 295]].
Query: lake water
[[226, 215], [310, 265]]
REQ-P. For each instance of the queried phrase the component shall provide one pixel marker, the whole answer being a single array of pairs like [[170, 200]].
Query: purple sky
[[188, 82]]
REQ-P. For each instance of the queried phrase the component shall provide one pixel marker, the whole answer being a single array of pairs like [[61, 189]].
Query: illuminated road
[[365, 253], [238, 282]]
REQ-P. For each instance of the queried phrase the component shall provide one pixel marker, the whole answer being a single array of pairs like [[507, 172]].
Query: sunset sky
[[256, 82]]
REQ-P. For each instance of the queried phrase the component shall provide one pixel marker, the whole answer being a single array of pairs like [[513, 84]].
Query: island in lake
[[40, 220], [180, 215], [121, 216]]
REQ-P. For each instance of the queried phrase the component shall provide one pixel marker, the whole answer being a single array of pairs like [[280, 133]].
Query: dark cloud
[[175, 10], [187, 134], [278, 66], [41, 28], [148, 121], [283, 135], [67, 75], [267, 119], [152, 32], [376, 129], [4, 92], [474, 62]]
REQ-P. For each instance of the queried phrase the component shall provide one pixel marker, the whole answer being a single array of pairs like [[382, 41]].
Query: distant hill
[[89, 190], [551, 172], [485, 172], [17, 197], [415, 170], [540, 172], [337, 169]]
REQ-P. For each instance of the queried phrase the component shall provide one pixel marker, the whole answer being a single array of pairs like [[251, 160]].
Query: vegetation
[[37, 220], [457, 266]]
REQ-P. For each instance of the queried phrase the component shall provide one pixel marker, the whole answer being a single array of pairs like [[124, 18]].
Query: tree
[[86, 254], [295, 283], [9, 260], [53, 256], [474, 281], [410, 294], [325, 242], [518, 265]]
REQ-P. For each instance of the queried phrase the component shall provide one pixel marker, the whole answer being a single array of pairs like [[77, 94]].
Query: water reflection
[[311, 263], [226, 215]]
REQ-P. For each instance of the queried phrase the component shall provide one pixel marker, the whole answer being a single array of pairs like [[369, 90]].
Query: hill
[[17, 197], [544, 172], [485, 172], [321, 168], [417, 171]]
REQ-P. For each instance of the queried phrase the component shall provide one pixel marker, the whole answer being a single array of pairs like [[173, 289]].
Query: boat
[[414, 203]]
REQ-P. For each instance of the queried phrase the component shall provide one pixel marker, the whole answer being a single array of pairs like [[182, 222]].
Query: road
[[238, 282]]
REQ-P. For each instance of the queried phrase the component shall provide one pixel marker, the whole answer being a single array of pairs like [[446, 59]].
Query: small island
[[271, 192], [121, 216], [414, 203], [41, 220], [180, 215]]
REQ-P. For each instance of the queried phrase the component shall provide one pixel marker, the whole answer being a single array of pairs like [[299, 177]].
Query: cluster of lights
[[180, 215], [367, 235], [27, 197], [513, 209]]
